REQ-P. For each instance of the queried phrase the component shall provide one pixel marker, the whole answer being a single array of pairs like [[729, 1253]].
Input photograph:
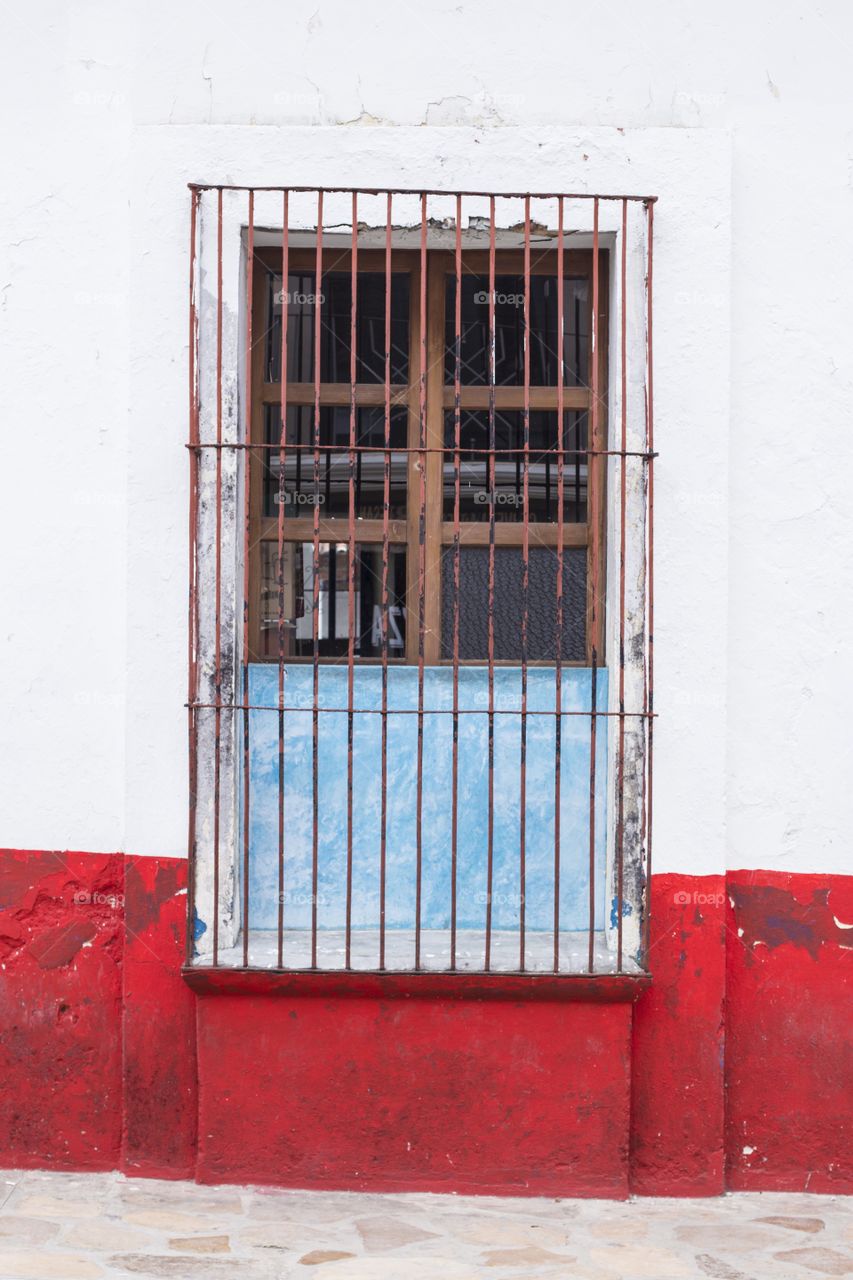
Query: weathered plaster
[[748, 149]]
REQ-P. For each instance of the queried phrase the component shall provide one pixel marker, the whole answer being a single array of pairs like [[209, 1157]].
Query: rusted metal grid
[[219, 705]]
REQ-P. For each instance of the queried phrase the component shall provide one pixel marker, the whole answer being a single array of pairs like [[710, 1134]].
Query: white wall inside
[[739, 120]]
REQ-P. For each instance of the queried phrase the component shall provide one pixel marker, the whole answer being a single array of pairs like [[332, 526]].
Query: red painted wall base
[[732, 1070], [427, 1095], [789, 1042]]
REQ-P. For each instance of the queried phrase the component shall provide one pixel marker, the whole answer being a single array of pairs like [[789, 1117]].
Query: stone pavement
[[82, 1227]]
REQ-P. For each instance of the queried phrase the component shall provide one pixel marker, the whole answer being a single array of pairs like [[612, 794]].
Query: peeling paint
[[627, 910], [772, 916], [98, 1046]]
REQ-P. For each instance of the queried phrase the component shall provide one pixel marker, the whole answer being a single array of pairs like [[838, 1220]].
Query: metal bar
[[592, 500], [558, 639], [620, 750], [421, 191], [490, 847], [457, 440], [421, 578], [351, 569], [380, 448], [435, 711], [217, 601], [315, 611], [192, 601], [250, 265], [386, 512], [282, 457], [650, 706], [525, 597]]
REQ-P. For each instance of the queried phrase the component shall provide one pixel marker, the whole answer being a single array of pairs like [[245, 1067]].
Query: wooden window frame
[[439, 398]]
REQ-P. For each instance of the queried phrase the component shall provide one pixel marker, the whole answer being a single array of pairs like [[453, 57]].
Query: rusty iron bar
[[422, 438], [217, 595], [457, 494], [619, 844], [435, 711], [421, 191], [650, 705], [247, 468], [593, 516], [386, 515], [525, 600], [282, 457], [490, 847], [315, 589], [380, 448], [351, 567], [558, 639], [192, 599]]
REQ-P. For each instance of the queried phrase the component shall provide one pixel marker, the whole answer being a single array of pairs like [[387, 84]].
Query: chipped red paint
[[58, 946], [96, 1026], [789, 1050], [397, 1087], [60, 1010], [158, 1028], [150, 883], [677, 1061]]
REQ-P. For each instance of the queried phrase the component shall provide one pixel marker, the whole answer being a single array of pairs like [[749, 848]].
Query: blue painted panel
[[402, 799]]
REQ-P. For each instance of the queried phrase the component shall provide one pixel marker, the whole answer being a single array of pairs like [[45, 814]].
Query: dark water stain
[[773, 916]]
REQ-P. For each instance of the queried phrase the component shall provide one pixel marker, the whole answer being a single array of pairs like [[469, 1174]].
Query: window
[[481, 483], [420, 707]]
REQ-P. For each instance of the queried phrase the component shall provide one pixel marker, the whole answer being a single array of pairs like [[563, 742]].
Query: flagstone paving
[[65, 1226]]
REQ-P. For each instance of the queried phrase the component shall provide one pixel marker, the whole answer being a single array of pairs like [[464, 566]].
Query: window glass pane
[[333, 492], [333, 604], [336, 302], [475, 497], [509, 331], [508, 598]]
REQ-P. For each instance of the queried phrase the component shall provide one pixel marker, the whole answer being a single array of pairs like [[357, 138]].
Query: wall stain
[[773, 916]]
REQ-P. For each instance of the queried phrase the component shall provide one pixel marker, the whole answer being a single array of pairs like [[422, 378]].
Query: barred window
[[422, 739]]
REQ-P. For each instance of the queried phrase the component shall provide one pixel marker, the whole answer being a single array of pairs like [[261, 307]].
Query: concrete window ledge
[[591, 987]]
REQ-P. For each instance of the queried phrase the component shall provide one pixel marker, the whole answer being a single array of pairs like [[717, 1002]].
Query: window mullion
[[412, 474], [434, 459]]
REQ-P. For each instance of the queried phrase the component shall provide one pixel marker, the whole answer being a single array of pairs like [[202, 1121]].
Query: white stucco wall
[[739, 120]]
